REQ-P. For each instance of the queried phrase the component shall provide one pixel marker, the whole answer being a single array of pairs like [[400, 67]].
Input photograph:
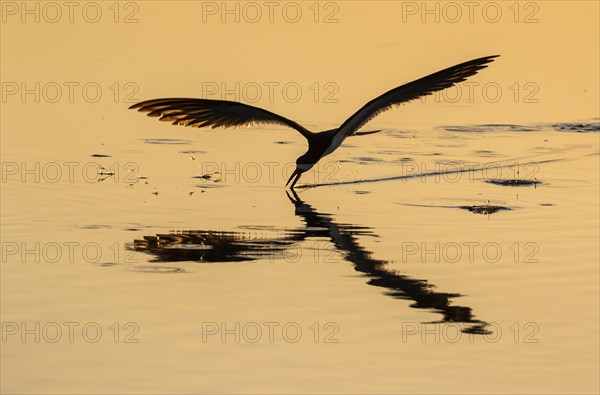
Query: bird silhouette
[[227, 114]]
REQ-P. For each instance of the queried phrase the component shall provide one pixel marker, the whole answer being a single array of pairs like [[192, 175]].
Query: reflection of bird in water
[[214, 246], [221, 113], [398, 286]]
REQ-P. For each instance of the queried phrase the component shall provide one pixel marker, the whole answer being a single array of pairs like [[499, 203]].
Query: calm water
[[455, 251]]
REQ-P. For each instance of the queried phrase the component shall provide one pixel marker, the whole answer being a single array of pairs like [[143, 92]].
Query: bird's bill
[[297, 173]]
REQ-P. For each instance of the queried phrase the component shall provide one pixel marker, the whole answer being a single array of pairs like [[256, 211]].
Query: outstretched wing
[[413, 90], [214, 113]]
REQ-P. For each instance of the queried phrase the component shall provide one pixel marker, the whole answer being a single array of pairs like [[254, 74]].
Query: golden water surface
[[455, 251]]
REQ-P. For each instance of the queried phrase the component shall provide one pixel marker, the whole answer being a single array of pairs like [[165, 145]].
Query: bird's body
[[222, 113]]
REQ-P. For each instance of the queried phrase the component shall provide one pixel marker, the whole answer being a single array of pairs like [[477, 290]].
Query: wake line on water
[[467, 169]]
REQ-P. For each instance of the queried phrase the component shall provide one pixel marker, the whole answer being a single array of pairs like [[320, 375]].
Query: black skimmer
[[223, 113]]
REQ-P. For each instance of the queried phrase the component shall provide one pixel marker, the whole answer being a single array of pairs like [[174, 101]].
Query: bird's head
[[301, 167]]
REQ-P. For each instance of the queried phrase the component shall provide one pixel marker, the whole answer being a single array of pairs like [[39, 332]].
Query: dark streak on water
[[96, 226], [491, 128], [562, 127], [157, 269], [192, 151], [485, 209], [577, 127], [209, 186], [514, 183], [166, 141]]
